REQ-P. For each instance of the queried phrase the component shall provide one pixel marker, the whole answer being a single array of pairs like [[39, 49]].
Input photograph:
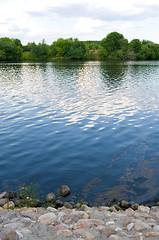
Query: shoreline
[[120, 221]]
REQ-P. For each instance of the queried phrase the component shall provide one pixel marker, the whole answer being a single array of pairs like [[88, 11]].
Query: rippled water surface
[[91, 125]]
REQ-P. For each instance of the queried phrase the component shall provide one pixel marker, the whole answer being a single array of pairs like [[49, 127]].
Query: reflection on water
[[91, 125]]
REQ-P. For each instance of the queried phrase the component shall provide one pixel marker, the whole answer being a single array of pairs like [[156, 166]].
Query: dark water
[[93, 126]]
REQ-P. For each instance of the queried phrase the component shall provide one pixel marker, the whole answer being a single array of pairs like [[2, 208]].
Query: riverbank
[[120, 221]]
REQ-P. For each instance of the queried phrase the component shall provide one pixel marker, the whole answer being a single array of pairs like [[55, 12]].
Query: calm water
[[93, 126]]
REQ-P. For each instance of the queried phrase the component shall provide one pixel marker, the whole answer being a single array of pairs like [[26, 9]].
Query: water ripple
[[92, 125]]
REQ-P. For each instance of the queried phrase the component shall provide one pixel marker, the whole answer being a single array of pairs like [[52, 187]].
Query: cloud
[[87, 25]]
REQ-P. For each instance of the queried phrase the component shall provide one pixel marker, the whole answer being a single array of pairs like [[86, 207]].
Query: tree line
[[113, 47]]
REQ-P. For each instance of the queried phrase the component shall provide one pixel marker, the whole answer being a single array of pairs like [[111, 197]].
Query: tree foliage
[[113, 47]]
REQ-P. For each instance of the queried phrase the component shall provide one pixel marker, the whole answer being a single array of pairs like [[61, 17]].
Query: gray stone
[[114, 237], [51, 197], [144, 209], [109, 230], [64, 191], [140, 225], [1, 220], [83, 233], [47, 217], [3, 202]]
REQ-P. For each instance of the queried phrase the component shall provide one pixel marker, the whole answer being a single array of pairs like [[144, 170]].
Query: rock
[[117, 207], [139, 236], [82, 223], [51, 197], [58, 204], [64, 191], [3, 202], [13, 225], [109, 230], [1, 220], [8, 205], [11, 235], [140, 225], [124, 204], [66, 232], [156, 228], [144, 209], [51, 209], [130, 226], [3, 195], [152, 234], [114, 237], [135, 206], [84, 234], [47, 217], [68, 205]]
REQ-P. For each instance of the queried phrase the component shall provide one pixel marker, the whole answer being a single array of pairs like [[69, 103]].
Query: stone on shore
[[47, 217], [11, 235], [3, 202], [64, 191]]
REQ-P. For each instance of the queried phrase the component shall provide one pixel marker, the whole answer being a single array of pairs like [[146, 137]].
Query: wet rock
[[3, 195], [47, 217], [51, 197], [124, 204], [3, 202], [117, 207], [58, 204], [64, 191], [68, 205], [11, 235], [135, 206]]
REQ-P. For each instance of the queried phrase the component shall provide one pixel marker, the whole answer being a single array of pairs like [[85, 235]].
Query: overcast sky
[[33, 20]]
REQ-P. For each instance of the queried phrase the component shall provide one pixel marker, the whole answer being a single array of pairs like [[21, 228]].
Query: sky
[[34, 20]]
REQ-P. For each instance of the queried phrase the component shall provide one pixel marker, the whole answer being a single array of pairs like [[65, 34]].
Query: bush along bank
[[22, 217]]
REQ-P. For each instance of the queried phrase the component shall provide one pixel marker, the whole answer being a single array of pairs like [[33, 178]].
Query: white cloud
[[87, 25], [37, 19]]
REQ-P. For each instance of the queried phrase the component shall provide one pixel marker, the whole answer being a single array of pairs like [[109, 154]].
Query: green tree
[[115, 45], [135, 45]]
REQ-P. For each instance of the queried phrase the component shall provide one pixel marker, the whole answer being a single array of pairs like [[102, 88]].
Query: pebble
[[87, 223]]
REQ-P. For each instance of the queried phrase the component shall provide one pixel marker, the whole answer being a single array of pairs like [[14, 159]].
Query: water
[[93, 126]]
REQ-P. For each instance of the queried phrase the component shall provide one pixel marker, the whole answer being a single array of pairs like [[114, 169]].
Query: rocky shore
[[121, 221]]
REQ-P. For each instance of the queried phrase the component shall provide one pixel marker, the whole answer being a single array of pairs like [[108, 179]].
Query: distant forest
[[113, 47]]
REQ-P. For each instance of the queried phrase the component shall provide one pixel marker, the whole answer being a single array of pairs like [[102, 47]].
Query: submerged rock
[[64, 191], [51, 197]]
